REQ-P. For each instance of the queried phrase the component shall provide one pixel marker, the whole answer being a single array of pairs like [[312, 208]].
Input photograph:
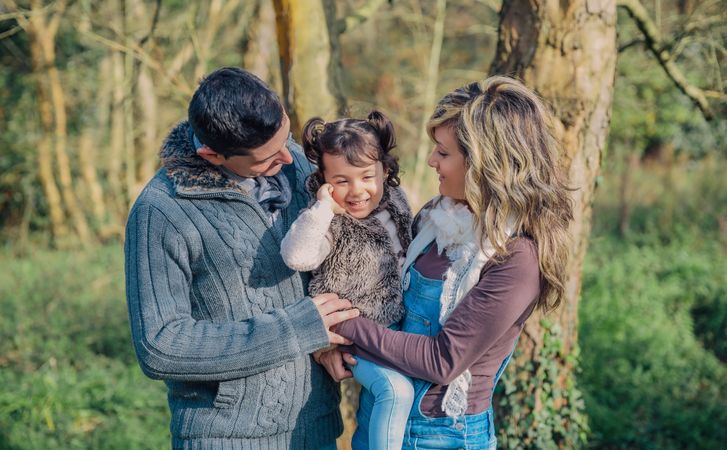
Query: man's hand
[[333, 361], [334, 310], [325, 194]]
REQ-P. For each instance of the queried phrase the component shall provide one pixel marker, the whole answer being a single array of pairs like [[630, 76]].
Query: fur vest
[[362, 266]]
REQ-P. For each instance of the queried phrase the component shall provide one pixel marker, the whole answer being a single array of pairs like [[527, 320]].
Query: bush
[[652, 319]]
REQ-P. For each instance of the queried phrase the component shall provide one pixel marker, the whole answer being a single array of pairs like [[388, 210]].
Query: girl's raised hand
[[324, 194]]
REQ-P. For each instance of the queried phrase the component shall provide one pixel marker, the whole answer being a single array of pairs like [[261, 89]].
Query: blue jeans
[[386, 408], [472, 432]]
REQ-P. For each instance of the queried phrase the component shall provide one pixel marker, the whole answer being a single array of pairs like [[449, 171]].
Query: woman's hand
[[333, 361], [324, 194]]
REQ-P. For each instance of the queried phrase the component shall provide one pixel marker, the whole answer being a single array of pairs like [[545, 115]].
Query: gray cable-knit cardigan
[[217, 315]]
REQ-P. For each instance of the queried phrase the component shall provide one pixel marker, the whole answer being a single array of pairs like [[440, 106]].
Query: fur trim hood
[[190, 174]]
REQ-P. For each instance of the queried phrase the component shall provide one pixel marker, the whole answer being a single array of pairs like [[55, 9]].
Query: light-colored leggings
[[393, 396]]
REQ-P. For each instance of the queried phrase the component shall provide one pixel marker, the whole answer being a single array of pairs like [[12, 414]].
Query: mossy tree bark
[[309, 62], [566, 51]]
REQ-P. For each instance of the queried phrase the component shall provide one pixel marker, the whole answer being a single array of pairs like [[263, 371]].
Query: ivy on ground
[[532, 410]]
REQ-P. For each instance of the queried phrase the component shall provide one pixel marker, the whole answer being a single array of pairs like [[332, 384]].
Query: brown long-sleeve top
[[479, 333]]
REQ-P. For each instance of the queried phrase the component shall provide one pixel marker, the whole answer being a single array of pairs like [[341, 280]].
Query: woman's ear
[[210, 155]]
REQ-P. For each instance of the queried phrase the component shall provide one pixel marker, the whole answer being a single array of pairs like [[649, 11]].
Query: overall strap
[[422, 240], [504, 365]]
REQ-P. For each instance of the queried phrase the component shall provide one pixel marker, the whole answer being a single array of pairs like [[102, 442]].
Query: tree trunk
[[128, 110], [45, 155], [261, 52], [87, 156], [430, 92], [148, 106], [218, 12], [628, 171], [566, 51], [42, 28], [68, 193], [307, 60], [117, 137], [205, 37]]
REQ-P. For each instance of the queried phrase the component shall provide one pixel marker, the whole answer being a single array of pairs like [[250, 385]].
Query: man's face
[[266, 160]]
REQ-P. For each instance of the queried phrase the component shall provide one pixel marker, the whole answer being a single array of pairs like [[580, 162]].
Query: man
[[214, 311]]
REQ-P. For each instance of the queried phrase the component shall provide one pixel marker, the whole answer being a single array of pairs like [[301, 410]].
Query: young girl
[[354, 239]]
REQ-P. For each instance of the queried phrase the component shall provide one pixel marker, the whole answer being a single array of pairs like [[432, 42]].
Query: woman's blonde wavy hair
[[513, 172]]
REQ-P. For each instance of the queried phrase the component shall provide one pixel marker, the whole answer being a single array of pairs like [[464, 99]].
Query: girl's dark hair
[[360, 141]]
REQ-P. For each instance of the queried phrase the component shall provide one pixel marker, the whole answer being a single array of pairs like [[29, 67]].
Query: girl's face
[[448, 160], [358, 190]]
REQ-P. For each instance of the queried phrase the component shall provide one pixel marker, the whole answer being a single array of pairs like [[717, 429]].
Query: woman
[[487, 252]]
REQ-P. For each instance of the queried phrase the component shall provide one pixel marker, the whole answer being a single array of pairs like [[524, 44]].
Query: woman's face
[[448, 160]]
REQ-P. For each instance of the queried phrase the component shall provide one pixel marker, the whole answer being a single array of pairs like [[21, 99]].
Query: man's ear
[[210, 155]]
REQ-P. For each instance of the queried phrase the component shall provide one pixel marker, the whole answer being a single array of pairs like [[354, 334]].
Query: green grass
[[67, 367]]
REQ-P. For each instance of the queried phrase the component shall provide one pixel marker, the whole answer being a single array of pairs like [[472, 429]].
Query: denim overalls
[[422, 304]]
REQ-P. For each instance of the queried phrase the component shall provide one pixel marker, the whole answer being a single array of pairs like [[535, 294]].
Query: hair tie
[[318, 128]]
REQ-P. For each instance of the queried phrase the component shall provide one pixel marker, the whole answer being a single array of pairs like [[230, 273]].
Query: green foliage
[[66, 352], [649, 111], [18, 193], [533, 411], [652, 316]]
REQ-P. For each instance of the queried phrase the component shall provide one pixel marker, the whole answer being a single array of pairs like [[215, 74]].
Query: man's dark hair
[[233, 111]]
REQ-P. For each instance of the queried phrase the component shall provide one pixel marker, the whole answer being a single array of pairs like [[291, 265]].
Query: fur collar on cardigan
[[191, 174], [187, 170]]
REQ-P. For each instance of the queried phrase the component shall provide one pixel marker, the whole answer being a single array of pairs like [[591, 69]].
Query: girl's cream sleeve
[[308, 242]]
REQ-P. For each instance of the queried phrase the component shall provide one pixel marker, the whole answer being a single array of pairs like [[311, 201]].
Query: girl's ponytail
[[311, 143], [384, 130]]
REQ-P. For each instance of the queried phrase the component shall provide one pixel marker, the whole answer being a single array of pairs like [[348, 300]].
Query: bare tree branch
[[154, 22], [629, 44], [703, 24], [55, 20], [430, 90], [656, 45], [10, 32], [181, 87], [16, 13], [20, 16]]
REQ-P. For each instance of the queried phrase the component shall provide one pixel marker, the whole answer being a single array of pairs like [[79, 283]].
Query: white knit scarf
[[452, 226]]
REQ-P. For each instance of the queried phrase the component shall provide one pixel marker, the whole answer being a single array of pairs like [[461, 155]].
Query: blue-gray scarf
[[272, 193]]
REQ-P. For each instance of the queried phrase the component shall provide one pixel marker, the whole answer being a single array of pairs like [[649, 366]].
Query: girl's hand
[[324, 194]]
